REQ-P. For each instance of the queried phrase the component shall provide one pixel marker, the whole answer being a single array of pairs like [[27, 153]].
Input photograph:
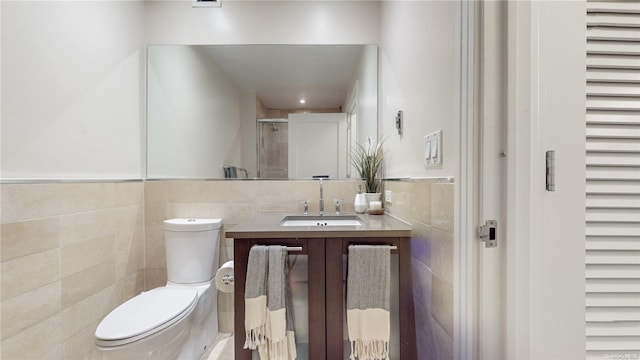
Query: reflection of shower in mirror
[[273, 148]]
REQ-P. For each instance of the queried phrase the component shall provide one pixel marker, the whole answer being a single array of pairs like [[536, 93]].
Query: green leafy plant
[[367, 159]]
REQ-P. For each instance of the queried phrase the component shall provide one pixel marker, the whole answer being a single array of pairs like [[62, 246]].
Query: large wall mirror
[[259, 111]]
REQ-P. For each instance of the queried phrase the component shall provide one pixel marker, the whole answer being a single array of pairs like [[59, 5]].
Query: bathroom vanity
[[326, 247]]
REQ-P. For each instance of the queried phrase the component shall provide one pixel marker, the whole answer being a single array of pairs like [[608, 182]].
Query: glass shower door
[[273, 148]]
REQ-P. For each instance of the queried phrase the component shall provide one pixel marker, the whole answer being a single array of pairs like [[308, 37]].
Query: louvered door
[[613, 181]]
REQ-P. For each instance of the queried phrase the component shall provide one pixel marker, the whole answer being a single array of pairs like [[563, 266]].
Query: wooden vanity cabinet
[[327, 299]]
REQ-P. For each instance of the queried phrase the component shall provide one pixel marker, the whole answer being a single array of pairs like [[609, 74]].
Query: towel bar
[[294, 248], [392, 247]]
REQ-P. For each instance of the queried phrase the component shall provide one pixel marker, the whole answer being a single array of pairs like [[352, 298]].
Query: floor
[[222, 348]]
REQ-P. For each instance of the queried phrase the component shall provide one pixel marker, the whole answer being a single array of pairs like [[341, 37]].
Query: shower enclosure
[[273, 148]]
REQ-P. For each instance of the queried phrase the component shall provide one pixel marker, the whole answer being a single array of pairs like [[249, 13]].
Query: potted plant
[[367, 160]]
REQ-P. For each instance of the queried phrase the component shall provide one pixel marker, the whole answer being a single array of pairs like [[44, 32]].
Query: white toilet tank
[[192, 249]]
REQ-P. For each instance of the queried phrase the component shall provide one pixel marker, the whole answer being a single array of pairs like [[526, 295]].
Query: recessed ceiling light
[[302, 101]]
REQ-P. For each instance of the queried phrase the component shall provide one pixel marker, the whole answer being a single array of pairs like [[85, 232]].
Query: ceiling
[[281, 75]]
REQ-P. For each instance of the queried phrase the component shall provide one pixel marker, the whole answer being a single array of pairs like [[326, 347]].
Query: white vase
[[360, 204]]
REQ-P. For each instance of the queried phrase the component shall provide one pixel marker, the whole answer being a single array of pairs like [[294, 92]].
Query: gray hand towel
[[368, 292], [268, 309]]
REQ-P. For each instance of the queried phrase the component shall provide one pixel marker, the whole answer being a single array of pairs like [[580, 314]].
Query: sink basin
[[343, 220]]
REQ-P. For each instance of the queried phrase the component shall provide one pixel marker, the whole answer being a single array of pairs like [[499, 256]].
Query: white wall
[[73, 73], [71, 89], [194, 114], [248, 130], [366, 80], [418, 75], [263, 22]]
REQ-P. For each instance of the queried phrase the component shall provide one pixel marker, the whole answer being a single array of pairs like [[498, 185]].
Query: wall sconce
[[399, 122], [206, 3]]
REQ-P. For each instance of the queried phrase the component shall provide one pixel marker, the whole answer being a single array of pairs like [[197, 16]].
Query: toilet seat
[[145, 315]]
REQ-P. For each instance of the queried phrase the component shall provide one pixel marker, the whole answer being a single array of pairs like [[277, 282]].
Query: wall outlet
[[387, 196]]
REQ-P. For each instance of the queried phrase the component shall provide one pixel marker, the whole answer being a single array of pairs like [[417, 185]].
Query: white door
[[531, 293], [317, 145], [532, 96]]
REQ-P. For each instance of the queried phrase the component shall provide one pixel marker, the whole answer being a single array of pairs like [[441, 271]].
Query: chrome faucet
[[321, 199]]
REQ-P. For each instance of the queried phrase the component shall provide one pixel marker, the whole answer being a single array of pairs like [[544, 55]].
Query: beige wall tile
[[442, 255], [93, 232], [155, 192], [155, 213], [76, 228], [34, 341], [52, 354], [421, 242], [155, 257], [130, 260], [29, 201], [443, 342], [68, 217], [21, 312], [154, 235], [428, 206], [87, 282], [83, 255], [124, 289], [188, 210], [400, 195], [442, 206], [29, 237], [421, 285], [420, 201], [154, 277], [128, 193], [233, 213], [80, 344], [29, 272], [442, 304], [82, 197], [84, 313], [192, 191]]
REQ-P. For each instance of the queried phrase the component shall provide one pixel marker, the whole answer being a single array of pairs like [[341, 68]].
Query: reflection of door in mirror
[[273, 148], [317, 145]]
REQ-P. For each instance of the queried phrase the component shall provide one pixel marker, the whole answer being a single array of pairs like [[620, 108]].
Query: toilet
[[179, 320]]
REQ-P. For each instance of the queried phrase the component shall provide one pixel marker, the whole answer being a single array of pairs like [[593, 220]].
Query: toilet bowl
[[179, 320]]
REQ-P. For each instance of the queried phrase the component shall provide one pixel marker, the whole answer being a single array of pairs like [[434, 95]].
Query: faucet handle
[[338, 202], [306, 207]]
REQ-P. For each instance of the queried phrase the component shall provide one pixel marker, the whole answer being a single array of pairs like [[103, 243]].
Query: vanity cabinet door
[[337, 250], [314, 249]]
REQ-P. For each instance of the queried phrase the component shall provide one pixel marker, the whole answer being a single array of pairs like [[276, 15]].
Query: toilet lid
[[146, 314]]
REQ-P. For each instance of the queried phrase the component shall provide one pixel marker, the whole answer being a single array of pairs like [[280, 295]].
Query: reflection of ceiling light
[[302, 101]]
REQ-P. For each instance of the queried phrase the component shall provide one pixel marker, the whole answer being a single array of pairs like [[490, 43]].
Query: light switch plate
[[427, 150], [433, 149], [387, 196]]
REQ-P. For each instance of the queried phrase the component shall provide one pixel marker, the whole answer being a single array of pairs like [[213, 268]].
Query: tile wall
[[428, 206], [70, 253]]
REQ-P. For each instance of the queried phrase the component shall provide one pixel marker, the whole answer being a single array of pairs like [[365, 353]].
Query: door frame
[[543, 235]]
